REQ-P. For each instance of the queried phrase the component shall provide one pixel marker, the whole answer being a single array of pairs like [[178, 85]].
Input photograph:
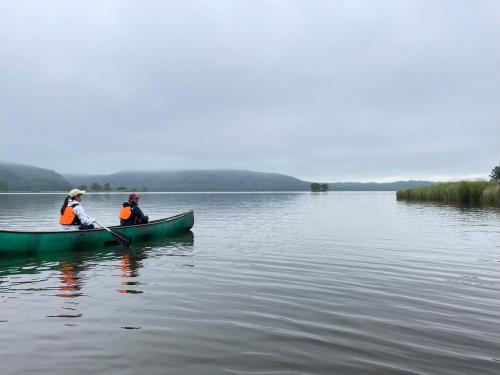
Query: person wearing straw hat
[[73, 216]]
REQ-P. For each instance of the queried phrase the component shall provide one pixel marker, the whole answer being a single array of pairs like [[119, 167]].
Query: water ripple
[[278, 283]]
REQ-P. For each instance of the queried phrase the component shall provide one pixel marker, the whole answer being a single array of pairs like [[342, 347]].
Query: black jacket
[[137, 216]]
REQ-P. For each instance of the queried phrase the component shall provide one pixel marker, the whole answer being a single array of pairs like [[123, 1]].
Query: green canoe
[[13, 242]]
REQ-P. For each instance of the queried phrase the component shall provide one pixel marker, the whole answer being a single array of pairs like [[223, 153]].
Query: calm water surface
[[266, 283]]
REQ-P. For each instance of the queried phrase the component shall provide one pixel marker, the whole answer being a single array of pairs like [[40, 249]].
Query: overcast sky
[[321, 90]]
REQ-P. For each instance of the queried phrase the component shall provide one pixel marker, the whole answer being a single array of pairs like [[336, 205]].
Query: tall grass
[[463, 192], [491, 195]]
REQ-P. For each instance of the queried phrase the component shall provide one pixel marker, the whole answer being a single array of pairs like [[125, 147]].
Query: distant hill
[[378, 186], [18, 177], [196, 180], [225, 180]]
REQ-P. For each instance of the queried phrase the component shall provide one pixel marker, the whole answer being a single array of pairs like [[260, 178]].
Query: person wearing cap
[[73, 216], [130, 213]]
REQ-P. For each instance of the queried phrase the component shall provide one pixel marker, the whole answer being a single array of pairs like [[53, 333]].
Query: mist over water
[[266, 283]]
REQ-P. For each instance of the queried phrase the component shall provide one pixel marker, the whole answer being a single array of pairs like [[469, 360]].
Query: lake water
[[267, 283]]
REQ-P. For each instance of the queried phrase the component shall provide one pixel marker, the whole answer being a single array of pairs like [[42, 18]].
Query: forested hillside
[[195, 180], [18, 177]]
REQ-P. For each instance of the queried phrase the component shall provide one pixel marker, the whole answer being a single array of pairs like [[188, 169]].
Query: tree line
[[96, 187]]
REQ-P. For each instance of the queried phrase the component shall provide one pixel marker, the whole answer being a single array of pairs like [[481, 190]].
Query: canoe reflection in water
[[72, 268], [70, 287], [69, 280]]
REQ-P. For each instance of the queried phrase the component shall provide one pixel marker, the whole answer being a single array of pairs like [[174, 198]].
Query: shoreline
[[463, 192]]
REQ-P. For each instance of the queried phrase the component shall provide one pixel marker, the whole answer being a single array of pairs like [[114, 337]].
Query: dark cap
[[133, 196]]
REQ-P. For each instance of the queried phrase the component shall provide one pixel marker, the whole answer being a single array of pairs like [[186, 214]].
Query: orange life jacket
[[68, 217], [125, 213]]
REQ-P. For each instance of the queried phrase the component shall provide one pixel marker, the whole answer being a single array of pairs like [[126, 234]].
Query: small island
[[479, 192], [316, 186]]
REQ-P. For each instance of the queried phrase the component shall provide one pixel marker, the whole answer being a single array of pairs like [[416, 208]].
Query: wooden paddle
[[120, 238]]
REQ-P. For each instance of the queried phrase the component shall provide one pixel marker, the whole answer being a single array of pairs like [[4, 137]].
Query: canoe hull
[[12, 242]]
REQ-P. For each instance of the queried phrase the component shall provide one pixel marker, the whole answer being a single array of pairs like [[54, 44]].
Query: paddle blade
[[122, 239]]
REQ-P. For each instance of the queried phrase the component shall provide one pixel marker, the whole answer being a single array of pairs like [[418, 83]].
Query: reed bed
[[463, 192]]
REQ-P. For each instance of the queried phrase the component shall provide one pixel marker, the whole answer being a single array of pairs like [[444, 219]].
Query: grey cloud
[[324, 89]]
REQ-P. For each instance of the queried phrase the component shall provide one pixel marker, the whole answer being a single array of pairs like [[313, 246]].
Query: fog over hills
[[25, 178], [226, 180], [196, 180]]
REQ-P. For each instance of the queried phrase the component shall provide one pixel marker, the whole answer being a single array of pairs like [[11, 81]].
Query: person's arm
[[80, 212], [139, 216], [138, 212]]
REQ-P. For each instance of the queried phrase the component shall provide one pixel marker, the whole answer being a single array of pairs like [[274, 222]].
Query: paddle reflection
[[131, 261]]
